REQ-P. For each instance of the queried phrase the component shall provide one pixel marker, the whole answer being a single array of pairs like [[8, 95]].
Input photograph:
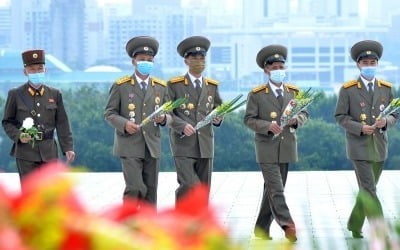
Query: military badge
[[51, 100], [190, 106], [183, 106], [363, 117], [186, 112], [145, 48], [131, 106], [207, 105], [273, 114], [157, 100], [209, 98], [34, 55], [381, 107], [132, 114]]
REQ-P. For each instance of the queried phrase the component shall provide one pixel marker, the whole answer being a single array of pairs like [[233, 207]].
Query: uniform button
[[373, 116], [38, 115], [144, 104], [144, 113], [373, 108], [144, 132], [282, 138], [38, 104], [198, 132]]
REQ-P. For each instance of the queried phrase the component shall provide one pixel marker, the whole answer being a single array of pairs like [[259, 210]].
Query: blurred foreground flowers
[[48, 215]]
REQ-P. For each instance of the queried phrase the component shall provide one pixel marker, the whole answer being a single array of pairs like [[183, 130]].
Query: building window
[[303, 59], [221, 55], [303, 50]]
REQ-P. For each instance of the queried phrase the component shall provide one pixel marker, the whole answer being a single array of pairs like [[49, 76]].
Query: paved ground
[[320, 202]]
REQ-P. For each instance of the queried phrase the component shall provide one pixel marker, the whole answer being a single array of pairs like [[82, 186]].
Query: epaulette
[[158, 81], [177, 79], [212, 81], [292, 87], [351, 83], [384, 83], [259, 88], [123, 79]]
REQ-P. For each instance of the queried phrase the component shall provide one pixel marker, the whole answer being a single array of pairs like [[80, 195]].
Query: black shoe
[[264, 235], [290, 234], [357, 235]]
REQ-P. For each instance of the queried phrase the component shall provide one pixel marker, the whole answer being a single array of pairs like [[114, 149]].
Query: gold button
[[144, 104]]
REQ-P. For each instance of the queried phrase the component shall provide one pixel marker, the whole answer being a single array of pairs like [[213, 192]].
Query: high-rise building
[[5, 26]]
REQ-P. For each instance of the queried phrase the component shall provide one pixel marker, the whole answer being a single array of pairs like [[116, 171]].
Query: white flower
[[27, 123]]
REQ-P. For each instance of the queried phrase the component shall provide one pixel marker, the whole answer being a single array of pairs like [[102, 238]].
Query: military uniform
[[272, 154], [45, 106], [139, 152], [193, 154], [356, 106]]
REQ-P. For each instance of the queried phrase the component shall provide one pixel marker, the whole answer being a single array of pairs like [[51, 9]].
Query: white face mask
[[277, 76]]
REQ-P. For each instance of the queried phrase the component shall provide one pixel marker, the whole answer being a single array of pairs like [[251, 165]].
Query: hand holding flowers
[[29, 132]]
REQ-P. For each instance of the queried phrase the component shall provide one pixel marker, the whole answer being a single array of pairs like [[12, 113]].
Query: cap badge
[[146, 48], [35, 55], [276, 56], [198, 48], [368, 52]]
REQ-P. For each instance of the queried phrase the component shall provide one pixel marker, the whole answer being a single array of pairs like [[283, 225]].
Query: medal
[[190, 106], [157, 100], [186, 112], [273, 115], [381, 107], [209, 98], [131, 106], [363, 117], [207, 105], [132, 114], [156, 107], [183, 106]]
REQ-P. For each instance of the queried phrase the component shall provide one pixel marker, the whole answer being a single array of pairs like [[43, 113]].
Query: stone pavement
[[319, 201]]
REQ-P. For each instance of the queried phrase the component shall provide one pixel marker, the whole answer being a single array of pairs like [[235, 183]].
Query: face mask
[[144, 67], [277, 76], [197, 66], [37, 78], [368, 72]]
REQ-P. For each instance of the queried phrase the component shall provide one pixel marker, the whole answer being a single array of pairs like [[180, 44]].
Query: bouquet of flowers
[[30, 130], [392, 108], [165, 108], [300, 102], [220, 111]]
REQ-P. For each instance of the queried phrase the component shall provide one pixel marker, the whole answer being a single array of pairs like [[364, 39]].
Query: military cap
[[270, 54], [35, 56], [193, 45], [142, 44], [366, 49]]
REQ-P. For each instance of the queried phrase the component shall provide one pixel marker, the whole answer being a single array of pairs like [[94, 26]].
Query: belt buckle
[[39, 136]]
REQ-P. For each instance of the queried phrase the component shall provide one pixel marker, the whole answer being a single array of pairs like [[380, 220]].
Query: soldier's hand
[[368, 130], [380, 123], [70, 155], [189, 130], [24, 137], [275, 128], [131, 127], [160, 119], [217, 120], [292, 122]]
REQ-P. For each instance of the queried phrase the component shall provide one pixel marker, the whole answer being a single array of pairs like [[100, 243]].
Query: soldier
[[45, 106], [358, 107], [131, 99], [265, 105], [193, 150]]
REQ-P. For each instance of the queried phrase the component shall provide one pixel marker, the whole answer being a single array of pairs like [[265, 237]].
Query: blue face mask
[[144, 67], [368, 72], [277, 76], [37, 78]]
